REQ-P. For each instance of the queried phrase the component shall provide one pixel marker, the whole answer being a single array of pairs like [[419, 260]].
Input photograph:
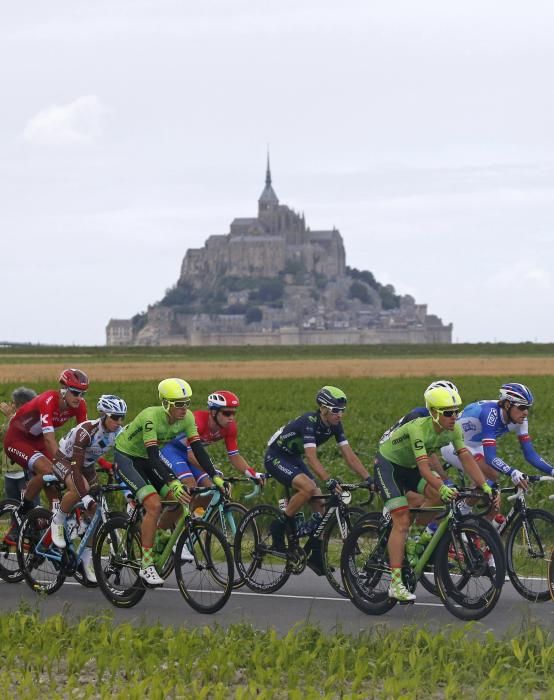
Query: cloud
[[78, 122]]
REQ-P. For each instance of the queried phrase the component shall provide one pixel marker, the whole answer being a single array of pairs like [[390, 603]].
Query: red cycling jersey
[[229, 434]]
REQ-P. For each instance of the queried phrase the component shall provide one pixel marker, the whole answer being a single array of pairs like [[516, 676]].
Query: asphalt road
[[304, 599]]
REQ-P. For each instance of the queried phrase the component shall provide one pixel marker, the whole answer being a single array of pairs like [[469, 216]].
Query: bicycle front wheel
[[117, 554], [469, 570], [333, 540], [206, 582], [365, 567], [9, 532], [227, 519], [41, 563], [261, 550], [528, 550]]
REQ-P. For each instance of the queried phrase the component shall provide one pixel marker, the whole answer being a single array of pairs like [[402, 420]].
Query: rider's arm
[[436, 465], [470, 466], [353, 461], [427, 473], [202, 456], [51, 444], [532, 457], [242, 465], [310, 452]]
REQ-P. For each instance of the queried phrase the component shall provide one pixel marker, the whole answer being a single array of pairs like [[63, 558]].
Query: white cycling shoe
[[88, 566], [399, 592], [58, 534], [186, 555], [150, 576]]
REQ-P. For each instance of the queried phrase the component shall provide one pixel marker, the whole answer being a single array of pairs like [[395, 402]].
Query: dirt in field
[[257, 369]]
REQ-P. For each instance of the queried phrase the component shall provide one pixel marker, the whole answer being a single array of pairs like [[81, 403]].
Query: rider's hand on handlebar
[[218, 482], [447, 493], [257, 477], [180, 491], [519, 479], [333, 486]]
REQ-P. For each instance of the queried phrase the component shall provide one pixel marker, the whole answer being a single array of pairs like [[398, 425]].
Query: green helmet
[[174, 390], [441, 398], [331, 397]]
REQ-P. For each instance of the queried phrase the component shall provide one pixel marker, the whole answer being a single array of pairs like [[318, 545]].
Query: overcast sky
[[132, 130]]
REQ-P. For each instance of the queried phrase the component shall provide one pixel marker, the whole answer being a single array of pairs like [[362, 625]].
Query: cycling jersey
[[482, 423], [151, 427], [414, 441], [207, 436], [87, 442], [43, 414], [307, 430], [419, 412]]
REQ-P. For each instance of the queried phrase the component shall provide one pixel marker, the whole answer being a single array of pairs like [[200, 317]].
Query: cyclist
[[74, 465], [402, 465], [483, 422], [217, 423], [30, 440], [14, 481], [137, 456], [284, 460]]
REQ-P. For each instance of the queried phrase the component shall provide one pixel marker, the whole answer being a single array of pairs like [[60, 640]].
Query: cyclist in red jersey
[[30, 440]]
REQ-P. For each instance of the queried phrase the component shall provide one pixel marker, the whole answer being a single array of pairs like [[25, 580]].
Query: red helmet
[[74, 379], [223, 399]]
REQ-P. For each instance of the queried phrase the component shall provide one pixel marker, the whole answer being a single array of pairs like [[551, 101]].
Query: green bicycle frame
[[160, 559], [431, 546]]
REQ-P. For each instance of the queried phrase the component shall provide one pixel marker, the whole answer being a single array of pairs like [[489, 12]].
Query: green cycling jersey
[[151, 427], [416, 439]]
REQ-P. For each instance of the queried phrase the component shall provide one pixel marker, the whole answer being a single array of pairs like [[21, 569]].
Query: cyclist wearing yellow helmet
[[402, 464], [137, 455]]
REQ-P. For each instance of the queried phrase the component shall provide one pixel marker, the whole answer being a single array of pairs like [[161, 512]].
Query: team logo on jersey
[[467, 426], [492, 417]]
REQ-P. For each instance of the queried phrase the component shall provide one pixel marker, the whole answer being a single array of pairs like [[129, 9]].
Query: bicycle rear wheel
[[42, 572], [365, 567], [9, 532], [262, 562], [117, 555], [227, 521], [333, 540], [469, 570], [528, 550], [207, 582]]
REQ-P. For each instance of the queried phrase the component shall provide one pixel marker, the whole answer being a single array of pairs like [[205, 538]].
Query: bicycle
[[205, 582], [529, 542], [468, 562], [266, 568], [42, 564]]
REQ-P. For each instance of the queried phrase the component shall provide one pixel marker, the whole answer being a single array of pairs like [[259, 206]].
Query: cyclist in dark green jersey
[[402, 464], [137, 456]]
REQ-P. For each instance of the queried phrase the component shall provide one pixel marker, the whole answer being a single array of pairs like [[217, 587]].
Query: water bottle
[[283, 503]]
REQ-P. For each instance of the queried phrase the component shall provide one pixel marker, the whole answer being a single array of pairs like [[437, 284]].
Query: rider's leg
[[40, 466]]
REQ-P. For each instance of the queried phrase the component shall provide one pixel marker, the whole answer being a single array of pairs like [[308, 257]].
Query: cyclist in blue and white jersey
[[483, 422]]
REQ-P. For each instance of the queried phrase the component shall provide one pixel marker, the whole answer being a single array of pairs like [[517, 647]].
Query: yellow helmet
[[441, 398], [174, 390]]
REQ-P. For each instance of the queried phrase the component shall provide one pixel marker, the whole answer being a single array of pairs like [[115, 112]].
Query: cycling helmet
[[441, 398], [223, 399], [174, 389], [74, 379], [331, 397], [516, 393], [442, 384], [110, 404]]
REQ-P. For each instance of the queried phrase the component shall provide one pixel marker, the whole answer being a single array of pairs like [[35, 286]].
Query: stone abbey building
[[272, 280]]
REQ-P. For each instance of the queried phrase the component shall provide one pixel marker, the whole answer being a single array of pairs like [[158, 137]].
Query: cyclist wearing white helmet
[[74, 465], [484, 422], [137, 456], [402, 465]]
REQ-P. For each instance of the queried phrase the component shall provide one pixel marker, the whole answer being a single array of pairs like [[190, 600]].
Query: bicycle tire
[[43, 575], [471, 552], [528, 571], [365, 566], [10, 570], [331, 548], [227, 522], [116, 554], [207, 582], [264, 568]]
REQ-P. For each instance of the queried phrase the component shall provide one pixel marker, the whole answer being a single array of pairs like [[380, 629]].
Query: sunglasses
[[116, 416], [450, 412], [522, 406], [77, 392], [185, 403], [336, 410], [228, 414]]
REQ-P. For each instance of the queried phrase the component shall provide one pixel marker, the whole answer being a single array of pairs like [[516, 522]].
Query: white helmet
[[112, 405], [442, 384]]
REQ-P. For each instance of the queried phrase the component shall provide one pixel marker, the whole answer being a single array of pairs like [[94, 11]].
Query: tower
[[268, 202]]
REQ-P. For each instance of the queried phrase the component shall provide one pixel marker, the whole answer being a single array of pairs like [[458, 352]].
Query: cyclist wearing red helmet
[[217, 423], [30, 440]]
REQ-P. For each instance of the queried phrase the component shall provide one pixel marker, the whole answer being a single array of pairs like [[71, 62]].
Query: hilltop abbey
[[272, 280]]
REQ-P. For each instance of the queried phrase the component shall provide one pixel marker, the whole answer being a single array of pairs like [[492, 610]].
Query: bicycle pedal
[[405, 602]]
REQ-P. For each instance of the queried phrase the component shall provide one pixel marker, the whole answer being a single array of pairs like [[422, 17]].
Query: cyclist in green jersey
[[137, 456], [402, 464]]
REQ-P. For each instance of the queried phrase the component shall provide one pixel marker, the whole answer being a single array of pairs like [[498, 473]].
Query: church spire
[[268, 199], [268, 172]]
